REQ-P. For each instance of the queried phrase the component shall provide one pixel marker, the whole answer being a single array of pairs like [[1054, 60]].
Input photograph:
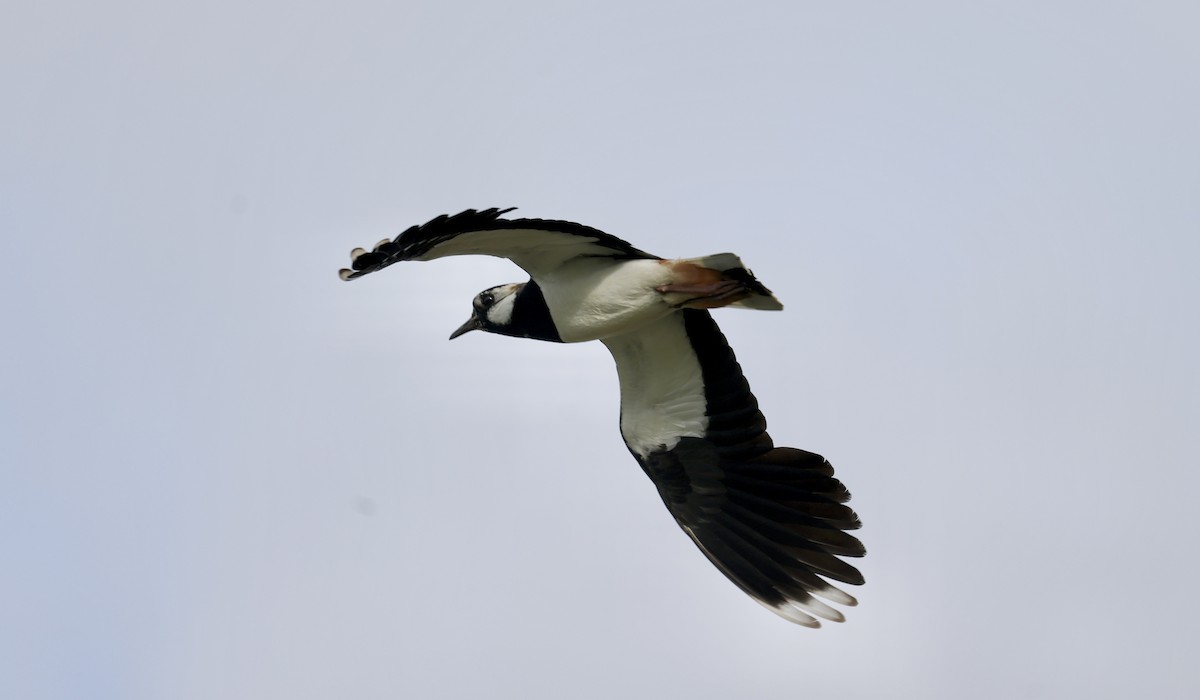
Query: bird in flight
[[772, 519]]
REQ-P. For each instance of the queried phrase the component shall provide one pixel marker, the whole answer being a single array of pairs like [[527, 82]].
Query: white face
[[496, 304]]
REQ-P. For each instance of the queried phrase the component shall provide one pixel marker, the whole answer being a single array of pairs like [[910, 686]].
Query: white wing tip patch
[[792, 613], [805, 613], [836, 595]]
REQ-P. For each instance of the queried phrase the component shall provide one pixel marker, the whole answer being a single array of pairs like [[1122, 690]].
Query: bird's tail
[[714, 281]]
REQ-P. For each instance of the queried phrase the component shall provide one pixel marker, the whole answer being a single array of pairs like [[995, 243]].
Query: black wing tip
[[467, 217], [773, 520], [418, 240], [391, 250]]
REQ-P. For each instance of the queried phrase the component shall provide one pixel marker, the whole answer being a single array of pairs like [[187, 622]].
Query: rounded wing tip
[[805, 612], [799, 617], [837, 595]]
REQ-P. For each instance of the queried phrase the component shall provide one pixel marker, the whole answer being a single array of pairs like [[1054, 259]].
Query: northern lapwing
[[772, 519]]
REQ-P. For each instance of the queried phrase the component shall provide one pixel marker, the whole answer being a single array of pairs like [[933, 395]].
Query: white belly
[[591, 298]]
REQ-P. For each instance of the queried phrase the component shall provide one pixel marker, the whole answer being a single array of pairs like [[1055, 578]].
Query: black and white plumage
[[772, 519]]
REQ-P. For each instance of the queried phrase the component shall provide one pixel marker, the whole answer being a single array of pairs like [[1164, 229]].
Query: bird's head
[[492, 311], [517, 309]]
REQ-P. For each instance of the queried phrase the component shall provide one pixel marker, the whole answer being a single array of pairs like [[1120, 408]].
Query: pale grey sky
[[226, 474]]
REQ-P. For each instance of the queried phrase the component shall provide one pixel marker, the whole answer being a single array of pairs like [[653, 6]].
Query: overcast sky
[[224, 473]]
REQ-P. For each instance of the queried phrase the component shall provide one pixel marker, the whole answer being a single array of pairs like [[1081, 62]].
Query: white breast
[[593, 298]]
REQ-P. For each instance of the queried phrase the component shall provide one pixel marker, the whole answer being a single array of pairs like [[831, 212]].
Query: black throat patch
[[531, 317]]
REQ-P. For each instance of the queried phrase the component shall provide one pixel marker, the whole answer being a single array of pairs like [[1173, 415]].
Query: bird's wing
[[537, 245], [772, 519]]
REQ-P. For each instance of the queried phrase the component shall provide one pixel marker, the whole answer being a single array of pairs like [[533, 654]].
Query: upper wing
[[536, 245], [770, 518]]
